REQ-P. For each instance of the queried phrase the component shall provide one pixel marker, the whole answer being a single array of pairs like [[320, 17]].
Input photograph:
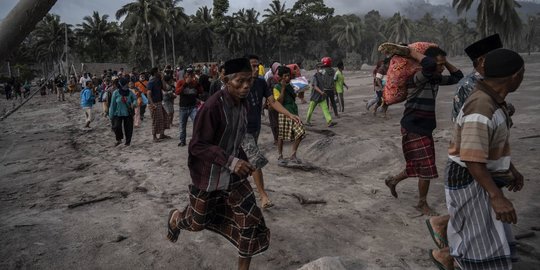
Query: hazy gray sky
[[72, 11]]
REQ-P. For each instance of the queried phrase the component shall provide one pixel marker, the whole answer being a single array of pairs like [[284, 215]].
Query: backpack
[[327, 79]]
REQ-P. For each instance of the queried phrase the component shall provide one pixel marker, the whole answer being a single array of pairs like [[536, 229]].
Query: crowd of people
[[16, 90], [226, 103], [475, 234]]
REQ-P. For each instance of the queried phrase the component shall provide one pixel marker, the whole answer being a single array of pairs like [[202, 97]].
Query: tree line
[[158, 32]]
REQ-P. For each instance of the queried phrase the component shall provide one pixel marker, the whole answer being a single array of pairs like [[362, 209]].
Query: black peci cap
[[483, 46], [237, 65], [502, 63]]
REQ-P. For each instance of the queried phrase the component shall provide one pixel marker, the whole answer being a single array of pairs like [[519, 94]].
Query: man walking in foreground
[[479, 231], [221, 198], [419, 121], [477, 53]]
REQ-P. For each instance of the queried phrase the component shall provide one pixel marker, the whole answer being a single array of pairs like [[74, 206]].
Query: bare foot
[[424, 208], [391, 184], [265, 202]]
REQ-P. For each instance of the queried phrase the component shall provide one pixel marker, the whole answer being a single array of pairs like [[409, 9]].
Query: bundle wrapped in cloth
[[399, 71], [300, 84]]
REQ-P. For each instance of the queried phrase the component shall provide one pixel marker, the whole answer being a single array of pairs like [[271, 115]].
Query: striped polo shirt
[[482, 131]]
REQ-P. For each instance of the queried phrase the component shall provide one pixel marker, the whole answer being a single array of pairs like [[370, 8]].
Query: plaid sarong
[[290, 130], [159, 119], [419, 152], [232, 213]]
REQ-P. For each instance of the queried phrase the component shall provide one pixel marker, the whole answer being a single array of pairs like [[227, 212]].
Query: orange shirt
[[142, 86]]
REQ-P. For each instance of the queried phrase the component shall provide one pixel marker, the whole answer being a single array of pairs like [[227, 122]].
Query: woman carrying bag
[[141, 101], [121, 112]]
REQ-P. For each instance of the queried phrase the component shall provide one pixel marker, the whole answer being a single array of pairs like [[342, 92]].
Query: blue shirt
[[119, 104], [465, 87], [87, 98], [155, 87]]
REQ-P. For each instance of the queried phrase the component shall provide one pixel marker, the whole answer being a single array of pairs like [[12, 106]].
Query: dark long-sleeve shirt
[[215, 148], [419, 115]]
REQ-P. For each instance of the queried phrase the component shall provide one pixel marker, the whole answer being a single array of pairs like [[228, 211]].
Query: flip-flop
[[437, 263], [442, 243], [172, 235]]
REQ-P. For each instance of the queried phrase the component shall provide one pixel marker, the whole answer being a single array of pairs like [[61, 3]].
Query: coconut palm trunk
[[165, 49], [20, 21], [149, 38], [173, 49]]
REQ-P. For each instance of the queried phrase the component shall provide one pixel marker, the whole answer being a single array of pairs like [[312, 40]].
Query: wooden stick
[[71, 206], [530, 137], [304, 201], [18, 106], [524, 235]]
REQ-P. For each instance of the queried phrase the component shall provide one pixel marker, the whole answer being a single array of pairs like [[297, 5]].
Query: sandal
[[439, 240], [172, 235], [439, 265]]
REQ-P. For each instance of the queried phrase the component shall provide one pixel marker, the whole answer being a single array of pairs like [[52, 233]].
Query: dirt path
[[69, 199]]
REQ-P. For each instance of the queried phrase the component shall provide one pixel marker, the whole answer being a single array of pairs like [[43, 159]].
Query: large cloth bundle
[[399, 71], [300, 84]]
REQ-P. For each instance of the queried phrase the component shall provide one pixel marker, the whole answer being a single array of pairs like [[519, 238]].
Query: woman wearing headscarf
[[121, 112]]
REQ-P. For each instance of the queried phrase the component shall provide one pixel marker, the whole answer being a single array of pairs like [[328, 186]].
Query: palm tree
[[142, 14], [494, 16], [445, 31], [347, 32], [232, 33], [97, 31], [464, 33], [250, 27], [399, 29], [174, 17], [530, 36], [49, 38], [424, 28], [204, 29], [373, 34], [278, 18]]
